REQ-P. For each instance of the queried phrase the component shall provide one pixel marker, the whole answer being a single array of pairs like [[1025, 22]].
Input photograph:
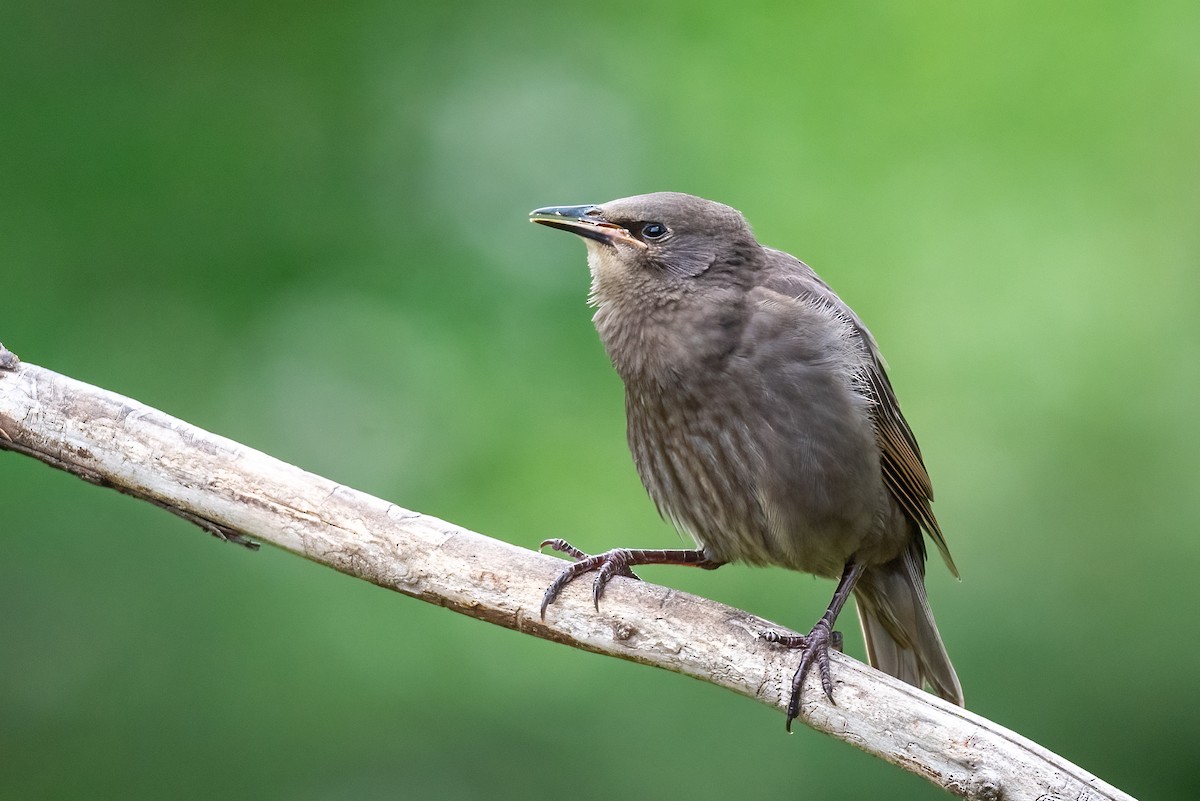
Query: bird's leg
[[816, 645], [615, 563]]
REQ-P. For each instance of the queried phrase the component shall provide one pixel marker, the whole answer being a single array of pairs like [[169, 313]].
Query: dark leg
[[816, 645], [615, 563]]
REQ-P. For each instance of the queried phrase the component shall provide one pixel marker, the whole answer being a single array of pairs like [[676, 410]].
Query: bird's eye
[[653, 230]]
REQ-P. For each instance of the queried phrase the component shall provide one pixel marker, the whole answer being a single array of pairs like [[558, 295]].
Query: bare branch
[[236, 492]]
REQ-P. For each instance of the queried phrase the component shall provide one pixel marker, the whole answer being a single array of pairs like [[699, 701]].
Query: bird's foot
[[815, 653], [608, 564]]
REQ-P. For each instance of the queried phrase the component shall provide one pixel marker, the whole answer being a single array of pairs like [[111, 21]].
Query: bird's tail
[[902, 637]]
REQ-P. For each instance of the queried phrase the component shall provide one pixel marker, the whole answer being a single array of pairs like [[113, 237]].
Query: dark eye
[[653, 230]]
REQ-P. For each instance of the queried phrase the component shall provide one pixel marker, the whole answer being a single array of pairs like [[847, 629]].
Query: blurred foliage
[[304, 227]]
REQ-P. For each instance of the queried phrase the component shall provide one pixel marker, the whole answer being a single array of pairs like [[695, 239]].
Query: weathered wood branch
[[236, 492]]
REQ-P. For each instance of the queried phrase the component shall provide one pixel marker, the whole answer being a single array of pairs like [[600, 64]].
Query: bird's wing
[[904, 472]]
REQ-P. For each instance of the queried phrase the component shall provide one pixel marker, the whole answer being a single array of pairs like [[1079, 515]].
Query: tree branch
[[235, 492]]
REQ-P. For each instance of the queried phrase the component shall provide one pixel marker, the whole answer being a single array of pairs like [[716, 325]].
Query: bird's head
[[663, 240]]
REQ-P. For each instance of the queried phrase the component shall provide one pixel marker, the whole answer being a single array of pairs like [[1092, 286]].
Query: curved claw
[[614, 565], [562, 546], [607, 565], [566, 577], [814, 653]]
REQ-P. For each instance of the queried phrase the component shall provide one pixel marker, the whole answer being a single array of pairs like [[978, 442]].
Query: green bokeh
[[303, 227]]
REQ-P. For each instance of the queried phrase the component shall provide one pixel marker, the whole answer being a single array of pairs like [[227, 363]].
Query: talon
[[607, 565], [815, 653], [615, 563], [603, 576], [562, 546]]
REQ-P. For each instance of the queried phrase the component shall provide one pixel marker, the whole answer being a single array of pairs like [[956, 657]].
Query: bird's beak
[[587, 221]]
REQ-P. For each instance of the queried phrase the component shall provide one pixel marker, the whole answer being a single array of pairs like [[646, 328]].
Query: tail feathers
[[898, 626]]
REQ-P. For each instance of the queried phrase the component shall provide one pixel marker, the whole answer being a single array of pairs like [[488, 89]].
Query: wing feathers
[[904, 472]]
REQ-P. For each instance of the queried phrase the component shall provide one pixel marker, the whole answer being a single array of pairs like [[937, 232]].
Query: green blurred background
[[303, 226]]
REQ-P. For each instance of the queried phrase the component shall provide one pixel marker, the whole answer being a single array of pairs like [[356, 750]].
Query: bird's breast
[[768, 467]]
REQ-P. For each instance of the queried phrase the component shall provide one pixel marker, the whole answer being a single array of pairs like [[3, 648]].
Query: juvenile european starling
[[762, 423]]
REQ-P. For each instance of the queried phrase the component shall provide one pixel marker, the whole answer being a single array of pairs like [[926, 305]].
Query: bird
[[763, 424]]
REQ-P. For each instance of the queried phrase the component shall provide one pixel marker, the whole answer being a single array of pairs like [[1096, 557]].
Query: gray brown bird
[[762, 423]]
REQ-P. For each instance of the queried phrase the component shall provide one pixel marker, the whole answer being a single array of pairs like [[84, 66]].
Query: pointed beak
[[586, 221]]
